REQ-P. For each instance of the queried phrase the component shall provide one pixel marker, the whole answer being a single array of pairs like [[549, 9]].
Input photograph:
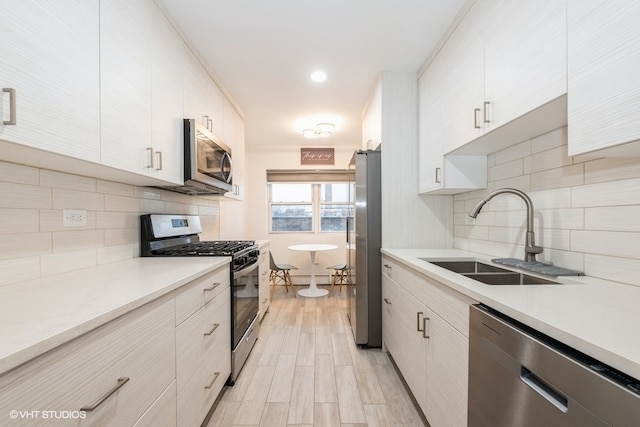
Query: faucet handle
[[533, 249]]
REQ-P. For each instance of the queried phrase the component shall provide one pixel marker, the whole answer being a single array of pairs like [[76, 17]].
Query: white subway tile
[[19, 269], [72, 199], [567, 219], [482, 246], [612, 243], [458, 206], [549, 140], [506, 234], [152, 206], [68, 181], [148, 193], [623, 270], [554, 239], [557, 198], [121, 236], [21, 220], [513, 218], [19, 245], [209, 210], [514, 152], [618, 218], [522, 183], [19, 174], [566, 259], [116, 188], [110, 220], [506, 170], [611, 169], [616, 193], [462, 244], [114, 203], [21, 196], [64, 241], [508, 250], [545, 160], [567, 176]]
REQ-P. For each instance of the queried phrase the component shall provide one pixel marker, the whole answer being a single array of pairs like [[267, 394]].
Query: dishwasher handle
[[543, 389]]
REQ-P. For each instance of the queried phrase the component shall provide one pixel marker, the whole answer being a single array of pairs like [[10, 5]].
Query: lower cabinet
[[425, 332], [264, 289], [162, 364]]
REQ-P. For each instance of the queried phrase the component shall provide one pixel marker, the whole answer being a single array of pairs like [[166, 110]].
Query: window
[[309, 207]]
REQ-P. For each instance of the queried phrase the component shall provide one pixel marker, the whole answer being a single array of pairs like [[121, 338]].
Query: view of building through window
[[309, 207]]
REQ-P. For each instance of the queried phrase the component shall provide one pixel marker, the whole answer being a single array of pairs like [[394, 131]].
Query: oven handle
[[246, 269]]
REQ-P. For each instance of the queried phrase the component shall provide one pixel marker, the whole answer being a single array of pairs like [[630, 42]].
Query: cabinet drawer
[[139, 346], [201, 335], [203, 389], [452, 306], [163, 411], [191, 297]]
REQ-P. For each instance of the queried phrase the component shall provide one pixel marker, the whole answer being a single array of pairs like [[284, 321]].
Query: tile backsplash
[[587, 210], [34, 242]]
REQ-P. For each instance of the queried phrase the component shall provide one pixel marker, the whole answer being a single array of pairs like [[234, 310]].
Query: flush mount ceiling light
[[321, 130], [318, 76]]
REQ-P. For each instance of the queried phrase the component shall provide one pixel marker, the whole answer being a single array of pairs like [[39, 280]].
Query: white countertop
[[598, 317], [39, 315]]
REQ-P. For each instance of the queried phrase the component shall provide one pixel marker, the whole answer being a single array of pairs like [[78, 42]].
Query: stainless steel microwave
[[208, 168]]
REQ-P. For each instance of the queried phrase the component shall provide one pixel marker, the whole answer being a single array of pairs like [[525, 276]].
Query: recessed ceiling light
[[318, 76]]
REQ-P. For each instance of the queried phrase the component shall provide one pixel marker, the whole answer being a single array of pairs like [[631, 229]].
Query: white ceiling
[[263, 52]]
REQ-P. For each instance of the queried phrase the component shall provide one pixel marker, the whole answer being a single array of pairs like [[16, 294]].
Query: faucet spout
[[530, 248]]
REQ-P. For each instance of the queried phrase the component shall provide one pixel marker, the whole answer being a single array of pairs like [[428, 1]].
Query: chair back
[[272, 263]]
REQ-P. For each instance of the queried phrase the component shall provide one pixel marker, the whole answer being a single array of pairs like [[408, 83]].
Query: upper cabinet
[[603, 78], [372, 120], [141, 90], [49, 76]]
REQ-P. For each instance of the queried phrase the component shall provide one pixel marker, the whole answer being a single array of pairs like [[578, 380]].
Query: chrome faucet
[[530, 248]]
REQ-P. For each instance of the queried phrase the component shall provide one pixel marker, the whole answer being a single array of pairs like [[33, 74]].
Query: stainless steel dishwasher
[[521, 377]]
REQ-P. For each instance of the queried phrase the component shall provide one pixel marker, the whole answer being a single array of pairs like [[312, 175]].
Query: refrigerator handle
[[347, 233]]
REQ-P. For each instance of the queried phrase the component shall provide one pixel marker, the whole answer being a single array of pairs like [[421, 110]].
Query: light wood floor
[[305, 370]]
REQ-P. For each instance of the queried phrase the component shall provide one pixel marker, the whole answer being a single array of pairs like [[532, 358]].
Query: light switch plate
[[74, 218]]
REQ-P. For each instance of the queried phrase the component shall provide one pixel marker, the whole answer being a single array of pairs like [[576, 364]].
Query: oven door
[[244, 300]]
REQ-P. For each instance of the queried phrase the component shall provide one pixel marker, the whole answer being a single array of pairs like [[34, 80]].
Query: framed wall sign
[[317, 156]]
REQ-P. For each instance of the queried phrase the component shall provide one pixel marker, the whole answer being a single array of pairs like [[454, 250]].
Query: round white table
[[312, 291]]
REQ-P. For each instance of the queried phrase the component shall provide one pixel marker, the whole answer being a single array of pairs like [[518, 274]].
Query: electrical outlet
[[74, 218]]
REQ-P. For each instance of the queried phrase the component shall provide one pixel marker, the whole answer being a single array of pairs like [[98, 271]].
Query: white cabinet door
[[463, 80], [525, 57], [166, 100], [603, 77], [234, 138], [431, 132], [50, 57], [196, 88], [404, 341], [446, 373], [125, 84]]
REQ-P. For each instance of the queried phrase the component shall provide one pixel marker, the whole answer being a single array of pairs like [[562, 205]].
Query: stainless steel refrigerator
[[363, 249]]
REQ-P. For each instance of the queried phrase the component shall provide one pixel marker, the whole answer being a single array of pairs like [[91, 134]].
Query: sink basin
[[512, 278], [489, 274], [467, 266]]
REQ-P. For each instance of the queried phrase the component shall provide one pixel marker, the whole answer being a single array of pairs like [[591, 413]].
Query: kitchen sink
[[489, 274]]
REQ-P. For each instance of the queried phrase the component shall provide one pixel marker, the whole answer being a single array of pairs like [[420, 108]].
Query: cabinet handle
[[121, 382], [12, 106], [215, 377], [387, 301], [159, 156], [438, 174], [210, 125], [215, 326], [476, 118], [418, 321], [149, 157], [486, 111], [425, 330], [236, 189], [215, 285], [205, 121]]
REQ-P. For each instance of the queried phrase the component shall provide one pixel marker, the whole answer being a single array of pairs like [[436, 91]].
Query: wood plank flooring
[[305, 370]]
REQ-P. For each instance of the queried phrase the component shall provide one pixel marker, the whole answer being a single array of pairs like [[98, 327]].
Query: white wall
[[258, 161], [33, 242], [587, 210]]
